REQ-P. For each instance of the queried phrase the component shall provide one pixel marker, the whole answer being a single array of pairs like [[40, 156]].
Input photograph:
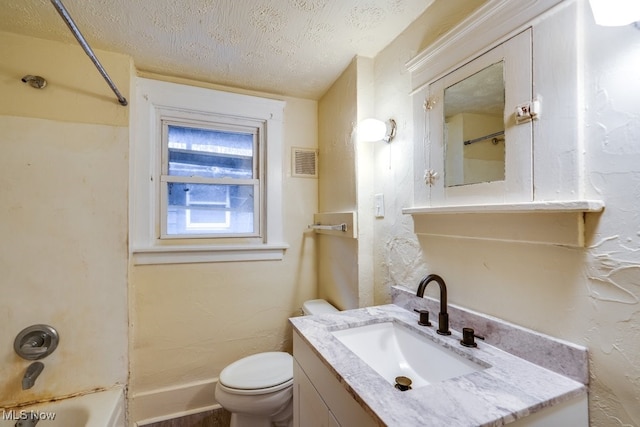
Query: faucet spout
[[443, 316], [31, 374]]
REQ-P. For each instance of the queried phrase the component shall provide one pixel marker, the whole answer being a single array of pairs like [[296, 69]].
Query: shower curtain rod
[[482, 138], [87, 49]]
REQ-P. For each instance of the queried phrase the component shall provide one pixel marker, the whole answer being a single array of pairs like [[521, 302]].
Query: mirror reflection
[[474, 128]]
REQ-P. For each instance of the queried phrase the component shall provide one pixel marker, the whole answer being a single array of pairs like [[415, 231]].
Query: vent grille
[[305, 162]]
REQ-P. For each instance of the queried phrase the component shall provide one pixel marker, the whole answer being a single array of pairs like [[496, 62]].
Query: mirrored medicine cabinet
[[474, 143], [476, 150], [498, 126]]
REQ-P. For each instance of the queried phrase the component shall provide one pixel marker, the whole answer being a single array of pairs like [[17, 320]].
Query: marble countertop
[[509, 389]]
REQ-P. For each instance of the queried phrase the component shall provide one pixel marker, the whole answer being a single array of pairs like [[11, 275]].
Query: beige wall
[[337, 192], [364, 183], [188, 321], [398, 257], [63, 220], [64, 254], [76, 91], [64, 173], [345, 270], [587, 296]]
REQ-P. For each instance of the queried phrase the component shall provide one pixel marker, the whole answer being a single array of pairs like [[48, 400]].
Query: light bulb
[[372, 130], [615, 12]]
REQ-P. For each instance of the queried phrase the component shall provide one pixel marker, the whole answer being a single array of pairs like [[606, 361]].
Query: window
[[206, 175], [211, 185]]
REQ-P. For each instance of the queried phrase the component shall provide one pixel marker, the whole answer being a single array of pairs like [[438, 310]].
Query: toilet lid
[[262, 370]]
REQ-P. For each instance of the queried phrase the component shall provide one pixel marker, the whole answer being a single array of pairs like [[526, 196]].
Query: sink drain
[[403, 383]]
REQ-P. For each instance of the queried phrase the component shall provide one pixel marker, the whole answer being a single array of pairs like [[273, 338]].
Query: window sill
[[191, 254]]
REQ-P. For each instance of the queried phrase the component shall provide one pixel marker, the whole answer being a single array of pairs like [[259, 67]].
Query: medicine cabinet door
[[476, 151]]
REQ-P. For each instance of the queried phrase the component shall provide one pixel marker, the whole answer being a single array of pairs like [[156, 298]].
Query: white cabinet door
[[319, 398], [309, 408], [332, 420]]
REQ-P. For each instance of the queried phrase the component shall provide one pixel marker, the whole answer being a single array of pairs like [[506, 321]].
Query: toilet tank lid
[[258, 371], [318, 306]]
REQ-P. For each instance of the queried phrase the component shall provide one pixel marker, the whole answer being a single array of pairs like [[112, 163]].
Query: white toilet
[[258, 389]]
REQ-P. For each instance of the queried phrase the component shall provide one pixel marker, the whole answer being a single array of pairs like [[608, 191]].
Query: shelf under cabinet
[[563, 222], [523, 207]]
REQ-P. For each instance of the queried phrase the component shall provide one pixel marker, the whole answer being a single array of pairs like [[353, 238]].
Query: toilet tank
[[317, 306]]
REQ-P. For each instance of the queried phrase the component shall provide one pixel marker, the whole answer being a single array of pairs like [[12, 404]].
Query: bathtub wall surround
[[63, 257]]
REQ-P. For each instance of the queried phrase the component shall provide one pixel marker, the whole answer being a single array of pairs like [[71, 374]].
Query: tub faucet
[[443, 316], [31, 374]]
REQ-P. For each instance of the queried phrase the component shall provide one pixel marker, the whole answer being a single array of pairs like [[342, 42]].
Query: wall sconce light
[[376, 130], [613, 13]]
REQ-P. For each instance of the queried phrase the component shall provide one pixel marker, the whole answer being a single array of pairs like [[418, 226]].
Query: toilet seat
[[258, 374]]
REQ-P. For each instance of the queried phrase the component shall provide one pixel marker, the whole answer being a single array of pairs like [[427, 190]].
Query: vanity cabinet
[[319, 400], [310, 410], [333, 386]]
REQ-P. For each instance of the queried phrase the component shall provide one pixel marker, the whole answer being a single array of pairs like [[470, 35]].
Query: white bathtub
[[100, 409]]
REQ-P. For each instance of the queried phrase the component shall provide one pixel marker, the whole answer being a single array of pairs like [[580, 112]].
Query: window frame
[[258, 167], [157, 101]]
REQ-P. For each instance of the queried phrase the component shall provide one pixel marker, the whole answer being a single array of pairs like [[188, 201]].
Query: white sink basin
[[392, 351]]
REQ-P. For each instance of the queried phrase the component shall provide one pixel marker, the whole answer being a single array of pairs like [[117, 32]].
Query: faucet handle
[[36, 342], [424, 317], [33, 349], [468, 337]]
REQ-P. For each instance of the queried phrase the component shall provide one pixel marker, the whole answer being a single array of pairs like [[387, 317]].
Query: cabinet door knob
[[429, 103], [430, 177]]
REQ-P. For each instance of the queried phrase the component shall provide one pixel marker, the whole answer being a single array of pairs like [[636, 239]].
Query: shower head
[[35, 81]]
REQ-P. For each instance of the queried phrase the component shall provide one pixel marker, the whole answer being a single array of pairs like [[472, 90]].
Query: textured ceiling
[[290, 47]]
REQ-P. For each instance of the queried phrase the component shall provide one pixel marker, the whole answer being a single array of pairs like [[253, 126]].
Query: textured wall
[[610, 273], [587, 296], [398, 257], [63, 216]]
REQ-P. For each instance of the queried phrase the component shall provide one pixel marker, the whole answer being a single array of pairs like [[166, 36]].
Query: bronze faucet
[[443, 316]]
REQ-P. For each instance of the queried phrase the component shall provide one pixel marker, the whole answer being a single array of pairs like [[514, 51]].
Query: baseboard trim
[[172, 402]]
